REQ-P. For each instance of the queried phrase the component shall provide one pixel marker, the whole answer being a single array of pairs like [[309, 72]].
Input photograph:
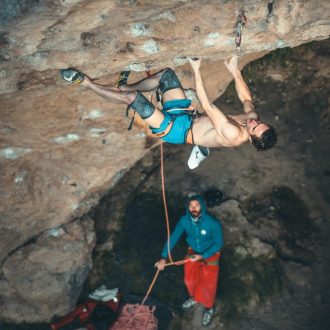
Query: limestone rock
[[62, 147], [44, 278], [231, 215], [256, 248]]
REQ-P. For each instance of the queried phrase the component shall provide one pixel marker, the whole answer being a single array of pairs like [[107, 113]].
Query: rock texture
[[62, 147], [102, 37], [47, 274]]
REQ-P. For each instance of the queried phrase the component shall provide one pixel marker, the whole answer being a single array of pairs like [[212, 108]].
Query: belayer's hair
[[266, 141], [194, 197]]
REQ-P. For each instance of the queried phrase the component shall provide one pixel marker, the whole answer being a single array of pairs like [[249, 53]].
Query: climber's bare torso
[[217, 129], [204, 134]]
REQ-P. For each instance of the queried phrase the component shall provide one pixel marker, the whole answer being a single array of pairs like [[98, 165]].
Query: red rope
[[164, 200], [136, 317], [148, 73], [173, 263]]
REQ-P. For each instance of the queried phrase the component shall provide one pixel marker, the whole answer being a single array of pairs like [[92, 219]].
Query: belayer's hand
[[196, 257], [160, 264]]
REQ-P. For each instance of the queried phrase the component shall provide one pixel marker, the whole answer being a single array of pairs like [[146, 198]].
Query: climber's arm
[[242, 89], [218, 118]]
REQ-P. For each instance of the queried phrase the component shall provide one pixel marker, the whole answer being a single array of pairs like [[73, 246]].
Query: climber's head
[[261, 135]]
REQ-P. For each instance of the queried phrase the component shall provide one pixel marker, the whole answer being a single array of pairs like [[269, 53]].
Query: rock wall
[[48, 273], [62, 147]]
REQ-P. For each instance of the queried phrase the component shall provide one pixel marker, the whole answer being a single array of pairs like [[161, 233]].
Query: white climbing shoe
[[189, 303], [198, 154], [207, 316]]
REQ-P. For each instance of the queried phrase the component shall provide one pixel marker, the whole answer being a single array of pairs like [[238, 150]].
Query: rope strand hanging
[[164, 200]]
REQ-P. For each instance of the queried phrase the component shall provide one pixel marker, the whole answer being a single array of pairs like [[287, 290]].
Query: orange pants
[[201, 279]]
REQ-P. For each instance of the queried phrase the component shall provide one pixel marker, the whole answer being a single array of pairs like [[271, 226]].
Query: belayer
[[204, 238], [176, 122]]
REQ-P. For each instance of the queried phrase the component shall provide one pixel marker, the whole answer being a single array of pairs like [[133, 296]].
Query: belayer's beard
[[195, 214]]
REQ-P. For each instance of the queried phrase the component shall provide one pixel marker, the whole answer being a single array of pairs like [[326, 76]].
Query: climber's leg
[[134, 99], [166, 80]]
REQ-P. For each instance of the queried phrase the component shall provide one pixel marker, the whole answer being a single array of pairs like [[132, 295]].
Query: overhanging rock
[[62, 146]]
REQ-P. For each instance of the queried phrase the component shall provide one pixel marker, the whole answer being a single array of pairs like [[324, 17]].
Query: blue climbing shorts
[[174, 111]]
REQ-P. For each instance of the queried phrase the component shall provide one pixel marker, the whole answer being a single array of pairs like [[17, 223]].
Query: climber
[[204, 237], [175, 123]]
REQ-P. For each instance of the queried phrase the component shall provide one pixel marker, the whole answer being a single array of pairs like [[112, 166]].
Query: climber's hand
[[195, 62], [232, 65]]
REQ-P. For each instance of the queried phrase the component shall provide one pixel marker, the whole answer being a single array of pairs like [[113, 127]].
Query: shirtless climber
[[175, 122]]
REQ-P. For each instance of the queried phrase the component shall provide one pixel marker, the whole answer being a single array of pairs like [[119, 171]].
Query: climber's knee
[[168, 81], [142, 106]]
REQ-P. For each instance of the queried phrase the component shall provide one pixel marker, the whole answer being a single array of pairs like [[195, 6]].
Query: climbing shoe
[[189, 303], [198, 154], [207, 316], [72, 75], [122, 79]]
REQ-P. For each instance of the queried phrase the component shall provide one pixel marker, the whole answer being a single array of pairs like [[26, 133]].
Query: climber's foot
[[72, 76], [122, 79]]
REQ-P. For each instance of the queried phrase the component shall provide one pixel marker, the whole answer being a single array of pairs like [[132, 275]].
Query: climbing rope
[[171, 263], [148, 73], [164, 200], [174, 263], [136, 317]]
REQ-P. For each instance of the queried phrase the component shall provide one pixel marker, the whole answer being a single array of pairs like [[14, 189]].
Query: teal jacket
[[203, 236]]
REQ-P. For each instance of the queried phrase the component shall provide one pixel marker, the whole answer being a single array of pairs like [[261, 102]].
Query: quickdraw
[[241, 20]]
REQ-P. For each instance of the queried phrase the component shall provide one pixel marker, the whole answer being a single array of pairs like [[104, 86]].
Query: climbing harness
[[241, 21], [165, 132], [170, 114], [174, 113]]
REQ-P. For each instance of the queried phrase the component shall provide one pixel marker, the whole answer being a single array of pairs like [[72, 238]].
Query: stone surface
[[48, 274], [102, 37], [62, 147]]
